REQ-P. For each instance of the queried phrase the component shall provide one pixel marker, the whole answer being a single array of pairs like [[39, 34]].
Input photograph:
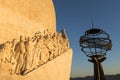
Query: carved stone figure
[[65, 39], [55, 44], [13, 47], [64, 33], [19, 55], [12, 57], [6, 58], [61, 43], [28, 55], [2, 53], [44, 54], [39, 46], [7, 47], [36, 53], [13, 65]]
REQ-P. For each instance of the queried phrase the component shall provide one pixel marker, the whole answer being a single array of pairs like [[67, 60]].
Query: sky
[[76, 16]]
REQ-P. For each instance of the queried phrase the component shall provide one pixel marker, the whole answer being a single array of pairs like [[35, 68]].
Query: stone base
[[56, 69]]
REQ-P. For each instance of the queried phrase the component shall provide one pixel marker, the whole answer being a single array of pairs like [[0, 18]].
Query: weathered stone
[[30, 47], [29, 53], [25, 17], [57, 69]]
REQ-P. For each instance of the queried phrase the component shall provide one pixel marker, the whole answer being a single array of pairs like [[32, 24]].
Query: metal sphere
[[95, 42]]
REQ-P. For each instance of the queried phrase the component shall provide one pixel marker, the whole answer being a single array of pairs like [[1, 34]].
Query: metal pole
[[102, 77], [98, 70]]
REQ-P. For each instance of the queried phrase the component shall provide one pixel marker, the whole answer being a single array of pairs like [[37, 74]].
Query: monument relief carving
[[29, 53]]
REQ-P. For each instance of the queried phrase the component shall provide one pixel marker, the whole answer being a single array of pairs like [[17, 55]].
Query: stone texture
[[57, 69], [30, 47], [29, 53], [25, 17]]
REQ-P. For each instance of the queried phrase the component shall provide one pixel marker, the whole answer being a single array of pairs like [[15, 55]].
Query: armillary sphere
[[95, 42]]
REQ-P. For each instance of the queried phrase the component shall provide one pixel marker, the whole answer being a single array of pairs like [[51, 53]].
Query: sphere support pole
[[98, 70]]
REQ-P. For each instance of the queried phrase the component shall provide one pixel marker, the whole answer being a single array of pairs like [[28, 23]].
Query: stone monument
[[30, 47]]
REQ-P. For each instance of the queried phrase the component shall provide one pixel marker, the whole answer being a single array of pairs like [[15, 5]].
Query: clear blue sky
[[75, 16]]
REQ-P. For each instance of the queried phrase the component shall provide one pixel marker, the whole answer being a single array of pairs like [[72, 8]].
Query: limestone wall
[[25, 17]]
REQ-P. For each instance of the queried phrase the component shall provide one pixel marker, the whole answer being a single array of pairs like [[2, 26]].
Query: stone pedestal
[[57, 69]]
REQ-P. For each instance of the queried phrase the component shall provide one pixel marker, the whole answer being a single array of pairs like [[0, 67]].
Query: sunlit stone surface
[[30, 47], [25, 17]]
